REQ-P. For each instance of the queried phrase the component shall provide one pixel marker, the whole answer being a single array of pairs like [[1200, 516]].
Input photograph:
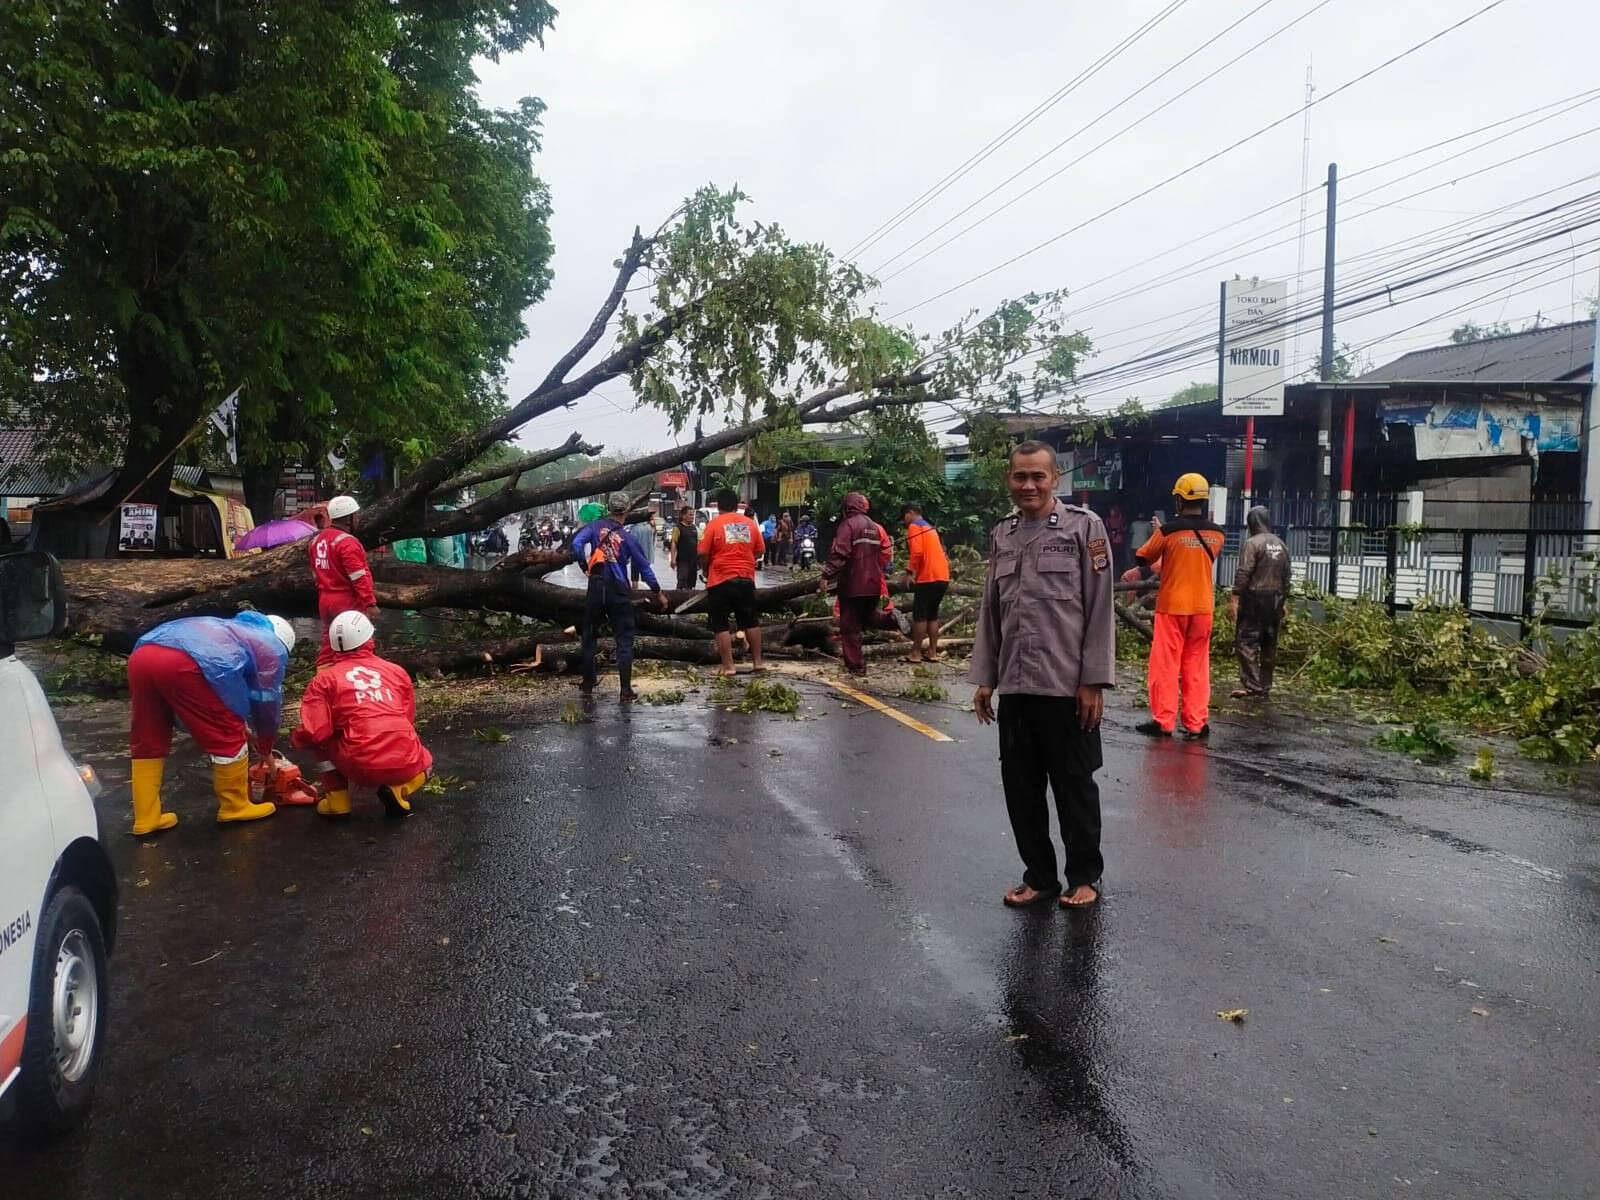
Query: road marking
[[905, 719]]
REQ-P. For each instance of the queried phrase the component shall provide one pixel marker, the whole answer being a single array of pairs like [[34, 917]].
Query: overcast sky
[[836, 114]]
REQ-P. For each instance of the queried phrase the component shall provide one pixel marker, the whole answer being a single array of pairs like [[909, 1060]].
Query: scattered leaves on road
[[1480, 1012], [1236, 1015], [490, 735], [665, 696], [291, 889], [570, 714], [930, 693]]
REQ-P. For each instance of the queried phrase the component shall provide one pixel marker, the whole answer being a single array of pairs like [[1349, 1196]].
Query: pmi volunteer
[[1180, 653]]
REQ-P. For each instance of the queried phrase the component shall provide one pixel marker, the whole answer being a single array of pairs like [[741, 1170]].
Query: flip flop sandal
[[1065, 903], [907, 658], [1033, 901]]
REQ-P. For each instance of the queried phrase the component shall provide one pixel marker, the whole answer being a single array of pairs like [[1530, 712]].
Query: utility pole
[[1325, 395], [699, 471], [1591, 452]]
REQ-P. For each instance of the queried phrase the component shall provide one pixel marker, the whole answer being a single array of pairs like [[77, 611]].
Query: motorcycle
[[805, 554]]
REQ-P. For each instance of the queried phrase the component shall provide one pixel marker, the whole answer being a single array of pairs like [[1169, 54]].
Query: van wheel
[[66, 1016]]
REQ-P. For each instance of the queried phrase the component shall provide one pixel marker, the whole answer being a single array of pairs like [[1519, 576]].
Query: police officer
[[1046, 640]]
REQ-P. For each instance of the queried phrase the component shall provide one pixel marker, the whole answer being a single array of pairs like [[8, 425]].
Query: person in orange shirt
[[930, 578], [1180, 653], [730, 548]]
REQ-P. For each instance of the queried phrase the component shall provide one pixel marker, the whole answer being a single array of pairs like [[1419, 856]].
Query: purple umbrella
[[274, 533]]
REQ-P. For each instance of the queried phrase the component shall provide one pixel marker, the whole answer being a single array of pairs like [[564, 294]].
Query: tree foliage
[[1192, 393], [304, 198]]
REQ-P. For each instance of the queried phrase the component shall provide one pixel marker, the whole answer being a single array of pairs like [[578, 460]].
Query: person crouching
[[359, 714]]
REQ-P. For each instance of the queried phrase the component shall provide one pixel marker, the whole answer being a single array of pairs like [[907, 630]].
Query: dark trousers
[[856, 615], [609, 598], [1255, 640], [688, 574], [1040, 742]]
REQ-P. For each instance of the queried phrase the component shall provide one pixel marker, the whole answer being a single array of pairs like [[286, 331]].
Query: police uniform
[[1045, 629]]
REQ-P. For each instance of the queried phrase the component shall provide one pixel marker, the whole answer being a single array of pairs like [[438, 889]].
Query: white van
[[58, 894]]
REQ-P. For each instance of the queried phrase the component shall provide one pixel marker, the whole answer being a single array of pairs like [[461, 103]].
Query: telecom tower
[[1305, 197]]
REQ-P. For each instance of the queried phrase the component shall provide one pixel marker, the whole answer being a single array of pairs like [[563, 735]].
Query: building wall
[[1491, 497]]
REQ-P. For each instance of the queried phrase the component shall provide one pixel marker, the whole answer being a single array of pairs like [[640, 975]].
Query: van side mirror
[[33, 598]]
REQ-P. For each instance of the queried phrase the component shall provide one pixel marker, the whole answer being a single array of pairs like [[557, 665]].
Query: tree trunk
[[261, 482]]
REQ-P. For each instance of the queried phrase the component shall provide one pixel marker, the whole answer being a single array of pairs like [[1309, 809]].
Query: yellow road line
[[910, 722]]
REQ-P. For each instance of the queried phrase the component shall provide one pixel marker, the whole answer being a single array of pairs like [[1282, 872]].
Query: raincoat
[[241, 658], [860, 553]]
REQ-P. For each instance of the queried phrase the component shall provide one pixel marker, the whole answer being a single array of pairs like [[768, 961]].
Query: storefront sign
[[794, 487]]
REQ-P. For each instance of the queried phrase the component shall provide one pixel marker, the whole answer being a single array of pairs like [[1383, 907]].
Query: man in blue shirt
[[769, 534], [605, 551]]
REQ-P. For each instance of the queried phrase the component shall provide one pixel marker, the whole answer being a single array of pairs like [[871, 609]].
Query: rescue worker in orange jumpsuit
[[1180, 653], [217, 676], [359, 714], [339, 566]]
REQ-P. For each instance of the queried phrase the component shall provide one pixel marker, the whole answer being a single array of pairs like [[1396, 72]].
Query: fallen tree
[[737, 322]]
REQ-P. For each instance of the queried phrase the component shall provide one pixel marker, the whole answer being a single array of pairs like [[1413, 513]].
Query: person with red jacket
[[359, 713], [860, 554], [339, 566]]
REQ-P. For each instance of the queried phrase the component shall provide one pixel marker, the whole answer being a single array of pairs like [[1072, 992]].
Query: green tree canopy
[[1191, 393], [307, 199]]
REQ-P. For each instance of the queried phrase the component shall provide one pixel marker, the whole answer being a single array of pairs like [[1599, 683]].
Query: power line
[[1204, 79], [1210, 158], [1010, 132]]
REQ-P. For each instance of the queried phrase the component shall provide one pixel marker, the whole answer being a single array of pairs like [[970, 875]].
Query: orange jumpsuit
[[1180, 653]]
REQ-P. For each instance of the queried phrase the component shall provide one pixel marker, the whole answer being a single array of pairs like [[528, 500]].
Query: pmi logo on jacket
[[369, 686], [607, 547]]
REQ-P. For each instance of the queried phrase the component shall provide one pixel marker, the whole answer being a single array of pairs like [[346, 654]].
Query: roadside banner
[[138, 527]]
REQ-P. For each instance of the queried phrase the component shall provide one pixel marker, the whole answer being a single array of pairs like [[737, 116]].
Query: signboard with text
[[673, 479], [793, 488], [1252, 348]]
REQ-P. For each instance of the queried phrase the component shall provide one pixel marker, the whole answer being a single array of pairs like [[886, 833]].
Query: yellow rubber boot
[[395, 797], [231, 782], [335, 804], [147, 814]]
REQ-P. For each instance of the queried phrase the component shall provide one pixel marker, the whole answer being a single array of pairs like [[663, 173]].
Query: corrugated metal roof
[[21, 472], [1554, 354]]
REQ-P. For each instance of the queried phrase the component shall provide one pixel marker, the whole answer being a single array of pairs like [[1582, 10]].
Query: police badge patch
[[1099, 554]]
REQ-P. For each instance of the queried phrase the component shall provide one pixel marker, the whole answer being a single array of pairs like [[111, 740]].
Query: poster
[[138, 527]]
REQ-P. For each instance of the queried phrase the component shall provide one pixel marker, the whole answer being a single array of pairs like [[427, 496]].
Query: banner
[[673, 479], [793, 488], [226, 420], [138, 527]]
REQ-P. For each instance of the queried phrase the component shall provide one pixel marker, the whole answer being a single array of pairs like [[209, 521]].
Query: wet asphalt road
[[682, 952]]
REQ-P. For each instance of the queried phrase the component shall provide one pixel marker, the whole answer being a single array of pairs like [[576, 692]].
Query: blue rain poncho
[[241, 658]]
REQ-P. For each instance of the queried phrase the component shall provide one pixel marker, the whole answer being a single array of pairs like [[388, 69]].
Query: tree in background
[[1471, 331], [303, 198], [1192, 393]]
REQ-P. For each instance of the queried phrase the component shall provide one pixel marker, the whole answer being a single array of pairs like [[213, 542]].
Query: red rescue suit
[[359, 714], [344, 580]]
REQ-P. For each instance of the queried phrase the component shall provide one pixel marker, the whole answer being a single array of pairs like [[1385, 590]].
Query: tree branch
[[511, 500], [573, 445], [597, 327]]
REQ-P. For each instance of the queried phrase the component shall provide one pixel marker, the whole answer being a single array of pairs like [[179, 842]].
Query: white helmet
[[284, 630], [342, 506], [350, 631]]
